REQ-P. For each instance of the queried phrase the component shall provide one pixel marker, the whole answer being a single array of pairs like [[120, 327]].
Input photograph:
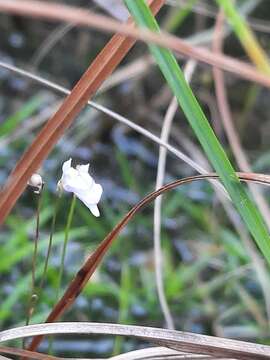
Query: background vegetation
[[215, 280]]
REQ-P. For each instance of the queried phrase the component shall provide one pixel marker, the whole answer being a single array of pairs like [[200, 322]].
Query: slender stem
[[33, 296], [42, 281], [43, 277], [165, 132], [34, 258], [68, 224]]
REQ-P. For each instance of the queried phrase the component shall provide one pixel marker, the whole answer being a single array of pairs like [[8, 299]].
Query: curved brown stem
[[83, 275], [29, 354]]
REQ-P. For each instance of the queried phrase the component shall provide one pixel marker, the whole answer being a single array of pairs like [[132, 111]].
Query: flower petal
[[83, 168], [72, 181], [93, 196], [86, 180], [89, 197], [94, 210], [97, 191], [66, 166], [92, 207]]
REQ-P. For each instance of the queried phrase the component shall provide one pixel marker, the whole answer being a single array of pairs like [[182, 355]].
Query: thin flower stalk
[[63, 255]]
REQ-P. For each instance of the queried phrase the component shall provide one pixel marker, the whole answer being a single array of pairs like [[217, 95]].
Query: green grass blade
[[14, 120], [245, 36], [178, 16], [198, 121]]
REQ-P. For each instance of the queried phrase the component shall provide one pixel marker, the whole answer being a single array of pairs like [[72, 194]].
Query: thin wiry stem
[[157, 215], [67, 228], [33, 296], [110, 113], [165, 132], [34, 258], [49, 43], [43, 277]]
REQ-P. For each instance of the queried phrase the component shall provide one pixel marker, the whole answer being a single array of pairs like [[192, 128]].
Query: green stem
[[43, 277], [33, 297], [34, 258], [68, 225]]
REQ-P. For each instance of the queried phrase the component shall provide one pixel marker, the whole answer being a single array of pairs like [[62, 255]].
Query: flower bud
[[36, 182]]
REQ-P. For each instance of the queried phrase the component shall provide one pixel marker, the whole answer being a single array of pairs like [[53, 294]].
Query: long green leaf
[[198, 121]]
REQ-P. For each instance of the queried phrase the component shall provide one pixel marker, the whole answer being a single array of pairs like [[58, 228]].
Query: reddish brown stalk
[[103, 65], [26, 353], [83, 275], [59, 12]]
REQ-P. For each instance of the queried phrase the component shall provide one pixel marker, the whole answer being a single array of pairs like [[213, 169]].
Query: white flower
[[79, 182]]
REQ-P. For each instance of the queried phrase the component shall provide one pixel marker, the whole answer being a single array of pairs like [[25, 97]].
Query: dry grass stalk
[[59, 12], [177, 340]]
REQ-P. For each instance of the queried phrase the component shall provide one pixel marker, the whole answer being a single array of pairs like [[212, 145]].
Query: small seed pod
[[36, 182]]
